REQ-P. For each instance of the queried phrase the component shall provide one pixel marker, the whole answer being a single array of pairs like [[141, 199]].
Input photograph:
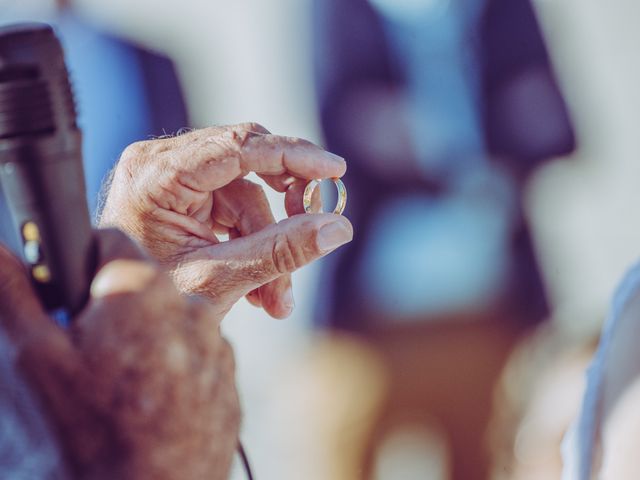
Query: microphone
[[41, 169], [41, 166]]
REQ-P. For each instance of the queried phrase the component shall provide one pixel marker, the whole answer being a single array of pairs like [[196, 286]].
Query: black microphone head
[[35, 95], [41, 168]]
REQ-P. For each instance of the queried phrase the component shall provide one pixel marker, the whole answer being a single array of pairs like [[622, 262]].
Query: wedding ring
[[313, 184]]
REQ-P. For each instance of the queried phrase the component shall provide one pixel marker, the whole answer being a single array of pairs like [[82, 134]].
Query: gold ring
[[313, 184]]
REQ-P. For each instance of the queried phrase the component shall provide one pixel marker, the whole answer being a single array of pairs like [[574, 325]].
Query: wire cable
[[245, 461]]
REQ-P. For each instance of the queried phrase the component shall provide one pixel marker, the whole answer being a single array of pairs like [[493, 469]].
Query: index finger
[[211, 160]]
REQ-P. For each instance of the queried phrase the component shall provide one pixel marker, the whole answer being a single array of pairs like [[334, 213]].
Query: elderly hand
[[144, 387], [176, 194]]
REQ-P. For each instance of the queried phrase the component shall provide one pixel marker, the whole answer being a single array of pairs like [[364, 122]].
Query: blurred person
[[443, 108], [114, 376], [124, 91], [326, 400]]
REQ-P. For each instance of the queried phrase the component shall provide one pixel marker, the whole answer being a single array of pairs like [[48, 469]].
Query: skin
[[176, 195], [143, 387]]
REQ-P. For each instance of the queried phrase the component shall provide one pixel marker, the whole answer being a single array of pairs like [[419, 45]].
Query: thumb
[[227, 271]]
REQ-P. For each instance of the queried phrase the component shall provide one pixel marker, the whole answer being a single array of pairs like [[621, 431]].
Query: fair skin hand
[[176, 195], [143, 386]]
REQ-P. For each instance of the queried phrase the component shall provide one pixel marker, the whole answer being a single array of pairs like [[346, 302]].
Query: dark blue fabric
[[524, 122]]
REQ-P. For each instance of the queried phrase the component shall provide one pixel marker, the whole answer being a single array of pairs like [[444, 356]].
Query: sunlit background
[[251, 60]]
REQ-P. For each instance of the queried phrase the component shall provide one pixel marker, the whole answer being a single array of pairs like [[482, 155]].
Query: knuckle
[[133, 153], [230, 143], [241, 137], [138, 152], [248, 127], [255, 127], [285, 255], [299, 142], [207, 133]]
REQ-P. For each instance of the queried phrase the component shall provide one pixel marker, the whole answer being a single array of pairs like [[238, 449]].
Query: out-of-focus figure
[[442, 108]]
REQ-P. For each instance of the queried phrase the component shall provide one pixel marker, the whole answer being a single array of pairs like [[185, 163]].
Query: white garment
[[617, 352]]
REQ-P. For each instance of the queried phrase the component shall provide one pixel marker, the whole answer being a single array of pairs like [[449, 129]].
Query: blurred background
[[492, 149]]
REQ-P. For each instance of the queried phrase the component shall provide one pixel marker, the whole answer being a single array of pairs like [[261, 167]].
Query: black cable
[[245, 460]]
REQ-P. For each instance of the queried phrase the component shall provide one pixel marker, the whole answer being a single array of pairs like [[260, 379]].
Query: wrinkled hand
[[144, 387], [176, 194]]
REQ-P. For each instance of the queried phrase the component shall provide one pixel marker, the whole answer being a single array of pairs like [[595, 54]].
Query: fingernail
[[332, 235], [334, 158], [287, 301]]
